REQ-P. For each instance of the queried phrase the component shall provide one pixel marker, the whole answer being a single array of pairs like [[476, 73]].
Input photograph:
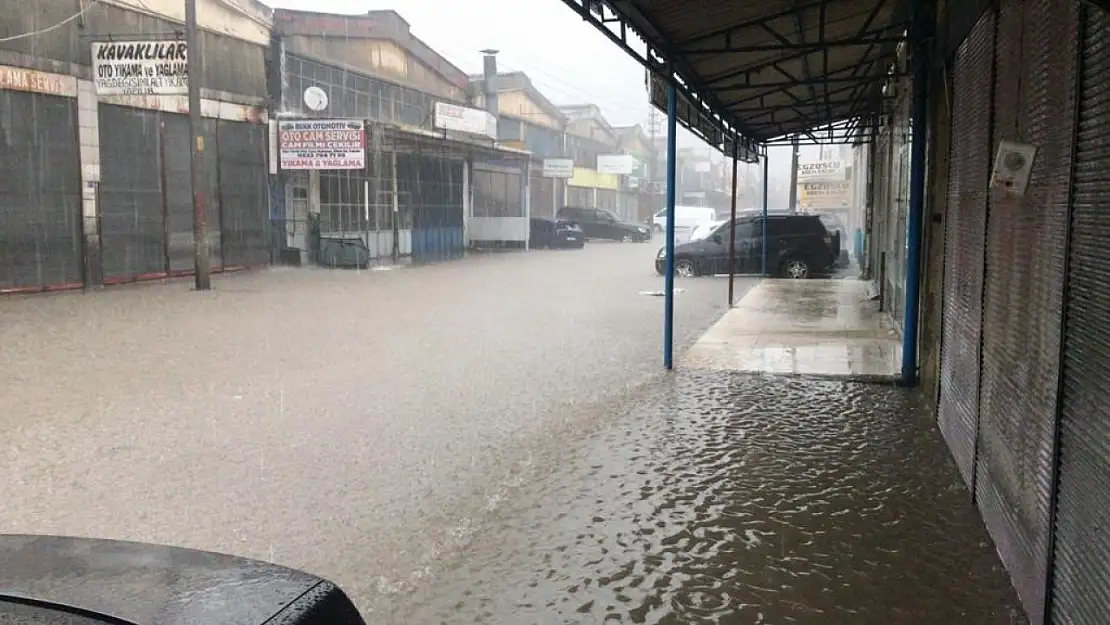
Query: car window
[[776, 227], [605, 216], [744, 228]]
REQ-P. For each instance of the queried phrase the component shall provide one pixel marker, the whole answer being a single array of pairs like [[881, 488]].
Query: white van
[[686, 218]]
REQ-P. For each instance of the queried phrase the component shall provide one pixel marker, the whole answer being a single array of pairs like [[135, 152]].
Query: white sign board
[[157, 67], [558, 168], [620, 164], [822, 171], [464, 119], [322, 144], [825, 195], [1013, 164]]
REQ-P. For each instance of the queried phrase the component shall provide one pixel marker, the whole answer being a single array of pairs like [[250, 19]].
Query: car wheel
[[684, 267], [795, 269]]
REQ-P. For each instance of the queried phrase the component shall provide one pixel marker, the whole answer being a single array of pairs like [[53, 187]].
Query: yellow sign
[[825, 195], [590, 178]]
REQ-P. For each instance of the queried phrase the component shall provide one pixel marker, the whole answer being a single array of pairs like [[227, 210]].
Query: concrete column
[[88, 125], [526, 193], [467, 202]]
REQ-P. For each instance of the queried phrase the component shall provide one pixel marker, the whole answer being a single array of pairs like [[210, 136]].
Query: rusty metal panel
[[969, 164], [1034, 100], [1081, 576], [40, 192]]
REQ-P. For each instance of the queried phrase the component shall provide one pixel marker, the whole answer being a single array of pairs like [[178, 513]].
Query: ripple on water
[[736, 499]]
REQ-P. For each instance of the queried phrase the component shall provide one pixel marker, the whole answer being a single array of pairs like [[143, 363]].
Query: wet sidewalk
[[803, 327], [730, 498]]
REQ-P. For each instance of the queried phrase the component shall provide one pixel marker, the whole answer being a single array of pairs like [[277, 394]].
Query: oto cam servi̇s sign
[[140, 67], [322, 144]]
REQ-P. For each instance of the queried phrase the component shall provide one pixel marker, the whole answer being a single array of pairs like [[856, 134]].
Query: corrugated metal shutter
[[541, 194], [244, 194], [1022, 309], [1081, 579], [969, 165], [40, 192], [132, 208], [178, 181]]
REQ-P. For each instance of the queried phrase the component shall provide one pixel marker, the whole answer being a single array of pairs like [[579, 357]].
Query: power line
[[42, 31]]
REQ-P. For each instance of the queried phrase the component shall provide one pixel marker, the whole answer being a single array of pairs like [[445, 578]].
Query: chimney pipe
[[489, 82]]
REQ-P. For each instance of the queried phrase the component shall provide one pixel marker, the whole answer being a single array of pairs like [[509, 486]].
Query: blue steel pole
[[766, 186], [668, 272], [920, 109]]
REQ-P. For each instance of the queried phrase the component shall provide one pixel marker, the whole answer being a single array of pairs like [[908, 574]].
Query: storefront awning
[[760, 70]]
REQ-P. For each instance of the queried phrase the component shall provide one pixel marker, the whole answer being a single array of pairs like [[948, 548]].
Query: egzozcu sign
[[140, 67]]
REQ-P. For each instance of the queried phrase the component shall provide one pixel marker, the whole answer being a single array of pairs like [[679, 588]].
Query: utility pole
[[793, 173], [201, 263]]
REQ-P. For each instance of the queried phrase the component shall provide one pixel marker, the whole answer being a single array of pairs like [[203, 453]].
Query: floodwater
[[726, 498]]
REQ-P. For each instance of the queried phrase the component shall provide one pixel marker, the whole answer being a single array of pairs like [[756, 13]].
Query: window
[[514, 201], [483, 193], [744, 228], [776, 227]]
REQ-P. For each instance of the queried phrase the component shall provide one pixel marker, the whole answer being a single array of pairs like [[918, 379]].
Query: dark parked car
[[598, 223], [555, 233], [799, 246]]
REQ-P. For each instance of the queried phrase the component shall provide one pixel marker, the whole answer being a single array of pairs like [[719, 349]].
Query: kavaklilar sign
[[140, 67]]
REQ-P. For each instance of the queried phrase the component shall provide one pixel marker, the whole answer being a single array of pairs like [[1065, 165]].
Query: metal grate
[[40, 196], [244, 194], [969, 165], [1081, 576], [1033, 99]]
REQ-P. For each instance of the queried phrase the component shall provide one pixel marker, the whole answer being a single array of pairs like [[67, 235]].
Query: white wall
[[497, 229]]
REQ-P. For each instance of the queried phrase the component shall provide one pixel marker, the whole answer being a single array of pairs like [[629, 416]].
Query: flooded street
[[724, 498], [491, 441]]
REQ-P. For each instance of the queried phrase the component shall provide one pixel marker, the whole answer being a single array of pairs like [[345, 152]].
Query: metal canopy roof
[[760, 69]]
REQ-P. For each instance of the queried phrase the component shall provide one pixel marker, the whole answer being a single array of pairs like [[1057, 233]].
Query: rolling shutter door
[[244, 194], [1081, 576], [1023, 289], [132, 207], [958, 408], [40, 192]]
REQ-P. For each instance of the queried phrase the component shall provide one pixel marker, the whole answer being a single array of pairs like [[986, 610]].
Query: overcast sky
[[567, 59]]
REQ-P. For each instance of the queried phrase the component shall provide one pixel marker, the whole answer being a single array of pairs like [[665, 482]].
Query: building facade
[[96, 169], [424, 178], [529, 121]]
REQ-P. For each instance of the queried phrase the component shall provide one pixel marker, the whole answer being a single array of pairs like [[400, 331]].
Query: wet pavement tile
[[732, 498]]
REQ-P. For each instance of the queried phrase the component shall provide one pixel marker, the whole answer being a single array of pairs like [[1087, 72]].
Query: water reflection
[[735, 499]]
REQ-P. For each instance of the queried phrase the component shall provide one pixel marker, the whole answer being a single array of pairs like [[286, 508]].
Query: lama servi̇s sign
[[140, 67], [322, 144]]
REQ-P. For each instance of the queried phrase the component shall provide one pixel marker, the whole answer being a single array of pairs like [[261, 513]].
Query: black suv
[[799, 246], [598, 223]]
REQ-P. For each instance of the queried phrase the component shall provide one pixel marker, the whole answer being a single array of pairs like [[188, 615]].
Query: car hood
[[155, 584]]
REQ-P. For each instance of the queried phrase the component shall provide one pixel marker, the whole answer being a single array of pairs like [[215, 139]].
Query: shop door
[[132, 205], [244, 194], [178, 184], [969, 164], [1081, 571], [1034, 91], [40, 193]]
